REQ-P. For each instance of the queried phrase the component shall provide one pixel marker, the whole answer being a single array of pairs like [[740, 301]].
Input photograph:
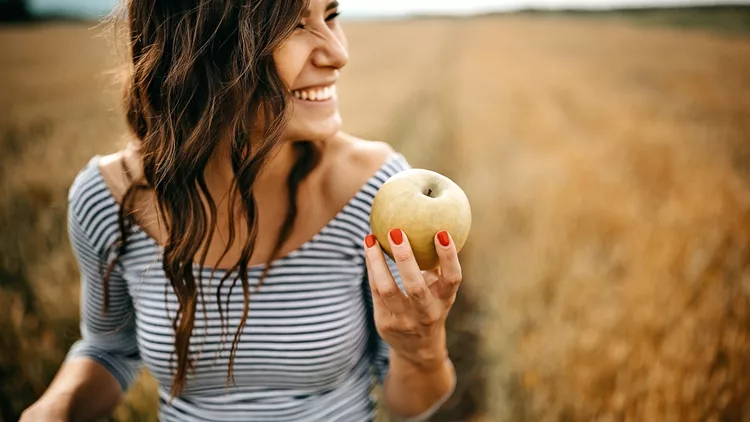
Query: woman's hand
[[45, 410], [413, 324]]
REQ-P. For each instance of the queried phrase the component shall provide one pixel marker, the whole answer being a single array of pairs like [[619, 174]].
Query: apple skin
[[402, 202]]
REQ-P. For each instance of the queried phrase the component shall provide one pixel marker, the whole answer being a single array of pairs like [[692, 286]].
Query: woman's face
[[309, 63]]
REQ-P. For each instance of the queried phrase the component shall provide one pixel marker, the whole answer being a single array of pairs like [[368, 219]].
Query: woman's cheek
[[290, 60]]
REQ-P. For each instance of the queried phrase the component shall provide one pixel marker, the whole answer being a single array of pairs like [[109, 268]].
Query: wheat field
[[607, 276]]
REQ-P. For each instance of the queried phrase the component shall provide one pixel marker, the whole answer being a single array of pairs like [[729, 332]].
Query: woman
[[227, 249]]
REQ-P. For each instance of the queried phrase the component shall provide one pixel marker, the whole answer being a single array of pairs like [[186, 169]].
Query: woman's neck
[[220, 176]]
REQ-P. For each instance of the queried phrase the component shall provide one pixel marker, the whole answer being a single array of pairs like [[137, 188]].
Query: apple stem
[[429, 192]]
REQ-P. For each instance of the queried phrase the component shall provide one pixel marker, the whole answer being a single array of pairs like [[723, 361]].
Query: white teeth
[[322, 94]]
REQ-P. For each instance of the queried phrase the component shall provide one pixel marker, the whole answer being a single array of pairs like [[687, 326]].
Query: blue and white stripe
[[308, 350]]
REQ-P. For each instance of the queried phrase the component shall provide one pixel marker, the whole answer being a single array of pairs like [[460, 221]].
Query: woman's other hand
[[46, 410]]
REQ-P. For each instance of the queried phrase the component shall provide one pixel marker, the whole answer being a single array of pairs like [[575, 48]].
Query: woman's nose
[[331, 52]]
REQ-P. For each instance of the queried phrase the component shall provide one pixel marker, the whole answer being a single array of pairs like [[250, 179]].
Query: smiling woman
[[228, 247]]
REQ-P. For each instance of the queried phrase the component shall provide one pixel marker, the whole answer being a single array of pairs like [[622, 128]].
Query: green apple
[[421, 203]]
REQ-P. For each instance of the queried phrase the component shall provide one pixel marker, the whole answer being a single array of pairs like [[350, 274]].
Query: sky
[[398, 7], [364, 8]]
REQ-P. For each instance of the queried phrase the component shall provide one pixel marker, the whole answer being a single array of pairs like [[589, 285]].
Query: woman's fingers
[[417, 290], [381, 280], [377, 301], [450, 267], [431, 276]]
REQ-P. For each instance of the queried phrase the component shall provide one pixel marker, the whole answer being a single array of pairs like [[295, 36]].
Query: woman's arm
[[103, 364], [415, 392], [408, 390], [82, 390]]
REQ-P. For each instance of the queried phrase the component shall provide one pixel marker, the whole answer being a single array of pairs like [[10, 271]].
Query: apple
[[421, 203]]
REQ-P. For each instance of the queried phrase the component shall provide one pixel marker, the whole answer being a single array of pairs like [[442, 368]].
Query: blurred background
[[605, 147]]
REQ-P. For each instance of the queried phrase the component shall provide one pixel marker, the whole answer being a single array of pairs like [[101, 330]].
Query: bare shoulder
[[118, 169], [351, 162], [364, 154]]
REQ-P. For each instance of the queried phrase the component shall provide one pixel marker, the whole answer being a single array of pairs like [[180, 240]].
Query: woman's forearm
[[415, 393], [82, 390]]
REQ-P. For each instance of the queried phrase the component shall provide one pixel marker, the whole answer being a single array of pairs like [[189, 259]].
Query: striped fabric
[[308, 352]]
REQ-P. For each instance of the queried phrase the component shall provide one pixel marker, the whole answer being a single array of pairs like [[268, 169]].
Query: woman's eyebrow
[[331, 5]]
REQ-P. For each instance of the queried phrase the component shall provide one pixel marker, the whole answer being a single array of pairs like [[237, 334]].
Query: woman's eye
[[329, 18]]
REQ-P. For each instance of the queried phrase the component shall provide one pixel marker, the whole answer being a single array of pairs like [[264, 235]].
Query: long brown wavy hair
[[202, 78]]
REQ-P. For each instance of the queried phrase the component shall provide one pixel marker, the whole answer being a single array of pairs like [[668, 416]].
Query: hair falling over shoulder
[[202, 79]]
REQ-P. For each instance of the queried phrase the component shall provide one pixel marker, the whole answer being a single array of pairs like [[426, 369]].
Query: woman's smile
[[316, 95]]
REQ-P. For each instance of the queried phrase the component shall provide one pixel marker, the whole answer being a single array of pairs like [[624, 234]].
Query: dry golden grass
[[607, 275], [615, 221]]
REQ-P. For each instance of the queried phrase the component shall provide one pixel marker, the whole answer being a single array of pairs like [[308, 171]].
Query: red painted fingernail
[[443, 238], [370, 240], [396, 236]]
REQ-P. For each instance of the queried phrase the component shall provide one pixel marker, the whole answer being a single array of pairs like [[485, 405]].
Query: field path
[[579, 142]]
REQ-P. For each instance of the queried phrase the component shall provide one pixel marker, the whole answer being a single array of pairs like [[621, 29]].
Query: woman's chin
[[314, 131]]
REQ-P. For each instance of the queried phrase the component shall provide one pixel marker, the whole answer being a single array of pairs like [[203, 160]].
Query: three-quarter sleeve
[[108, 337]]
